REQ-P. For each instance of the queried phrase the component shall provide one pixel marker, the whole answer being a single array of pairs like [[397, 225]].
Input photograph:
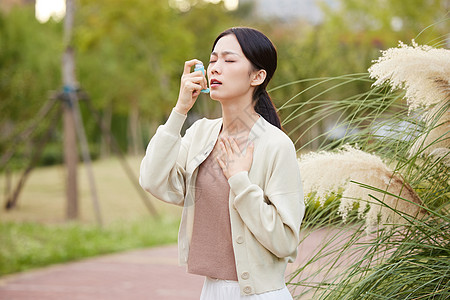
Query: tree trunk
[[105, 148], [70, 137], [134, 141]]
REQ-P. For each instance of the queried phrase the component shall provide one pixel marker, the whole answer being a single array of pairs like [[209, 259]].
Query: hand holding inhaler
[[199, 67], [192, 83]]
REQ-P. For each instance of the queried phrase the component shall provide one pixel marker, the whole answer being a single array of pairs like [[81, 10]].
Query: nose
[[215, 68]]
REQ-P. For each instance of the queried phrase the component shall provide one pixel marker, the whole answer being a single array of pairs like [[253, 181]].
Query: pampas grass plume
[[324, 173], [435, 141], [423, 71]]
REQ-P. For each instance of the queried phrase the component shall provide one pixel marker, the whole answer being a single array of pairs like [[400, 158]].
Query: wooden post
[[70, 138]]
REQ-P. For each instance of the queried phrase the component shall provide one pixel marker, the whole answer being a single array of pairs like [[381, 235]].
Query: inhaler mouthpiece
[[199, 67]]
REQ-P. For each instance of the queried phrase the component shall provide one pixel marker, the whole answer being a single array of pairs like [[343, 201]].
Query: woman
[[237, 177]]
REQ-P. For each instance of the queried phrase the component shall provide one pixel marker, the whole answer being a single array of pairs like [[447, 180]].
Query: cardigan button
[[240, 239], [245, 275], [247, 289]]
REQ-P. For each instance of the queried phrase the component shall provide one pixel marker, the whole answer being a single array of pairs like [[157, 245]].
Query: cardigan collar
[[256, 131]]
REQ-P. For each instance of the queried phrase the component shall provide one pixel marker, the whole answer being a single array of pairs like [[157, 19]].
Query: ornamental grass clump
[[424, 73], [348, 171], [434, 140], [391, 192]]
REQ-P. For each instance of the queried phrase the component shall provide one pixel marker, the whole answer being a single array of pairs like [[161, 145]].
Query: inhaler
[[199, 67]]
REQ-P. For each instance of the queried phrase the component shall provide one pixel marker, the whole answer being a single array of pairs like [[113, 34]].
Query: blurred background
[[128, 58]]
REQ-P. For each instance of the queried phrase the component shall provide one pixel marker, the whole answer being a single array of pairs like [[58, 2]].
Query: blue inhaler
[[199, 67]]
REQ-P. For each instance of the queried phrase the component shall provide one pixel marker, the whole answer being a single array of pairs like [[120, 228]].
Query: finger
[[222, 153], [188, 65], [198, 74], [234, 145], [193, 87], [223, 148], [199, 78], [222, 165], [227, 146], [195, 94], [205, 82], [196, 79]]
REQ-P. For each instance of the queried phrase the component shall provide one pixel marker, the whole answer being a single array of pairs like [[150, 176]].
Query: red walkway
[[142, 274]]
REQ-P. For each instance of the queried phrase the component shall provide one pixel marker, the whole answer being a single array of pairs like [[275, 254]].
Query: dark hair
[[260, 51]]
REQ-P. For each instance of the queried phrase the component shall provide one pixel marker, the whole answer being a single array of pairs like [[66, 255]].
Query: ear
[[258, 77]]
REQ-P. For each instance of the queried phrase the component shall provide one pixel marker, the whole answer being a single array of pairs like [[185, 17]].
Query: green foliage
[[28, 68], [129, 61], [137, 47], [130, 55], [406, 260], [397, 261], [349, 38], [143, 48], [32, 245], [319, 215], [416, 267]]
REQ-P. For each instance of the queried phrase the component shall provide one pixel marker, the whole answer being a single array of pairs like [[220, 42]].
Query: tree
[[142, 49], [29, 69]]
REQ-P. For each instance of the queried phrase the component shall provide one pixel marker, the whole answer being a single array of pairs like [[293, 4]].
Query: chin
[[214, 96]]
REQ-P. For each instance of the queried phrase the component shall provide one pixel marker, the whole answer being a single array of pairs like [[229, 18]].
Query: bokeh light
[[46, 9]]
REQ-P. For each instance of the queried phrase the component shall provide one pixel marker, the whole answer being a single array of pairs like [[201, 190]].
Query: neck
[[238, 117]]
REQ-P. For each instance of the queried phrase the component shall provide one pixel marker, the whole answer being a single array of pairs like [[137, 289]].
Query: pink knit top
[[211, 250]]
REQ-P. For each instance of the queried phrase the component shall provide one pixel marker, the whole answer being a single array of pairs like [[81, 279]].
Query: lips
[[214, 83]]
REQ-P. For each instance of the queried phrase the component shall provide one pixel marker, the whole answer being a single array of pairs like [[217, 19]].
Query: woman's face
[[229, 71]]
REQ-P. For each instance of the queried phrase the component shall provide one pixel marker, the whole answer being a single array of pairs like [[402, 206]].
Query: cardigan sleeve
[[162, 171], [274, 215]]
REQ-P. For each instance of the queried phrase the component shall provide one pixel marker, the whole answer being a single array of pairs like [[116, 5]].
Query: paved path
[[141, 274]]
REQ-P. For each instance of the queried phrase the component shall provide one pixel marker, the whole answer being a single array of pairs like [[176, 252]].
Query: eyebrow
[[226, 52]]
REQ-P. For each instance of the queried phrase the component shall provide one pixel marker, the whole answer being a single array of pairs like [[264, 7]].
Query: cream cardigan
[[266, 204]]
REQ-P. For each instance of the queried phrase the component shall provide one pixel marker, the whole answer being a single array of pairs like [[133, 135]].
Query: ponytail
[[265, 107]]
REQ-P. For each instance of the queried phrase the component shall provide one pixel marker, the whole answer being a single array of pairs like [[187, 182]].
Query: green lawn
[[31, 245], [36, 233]]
